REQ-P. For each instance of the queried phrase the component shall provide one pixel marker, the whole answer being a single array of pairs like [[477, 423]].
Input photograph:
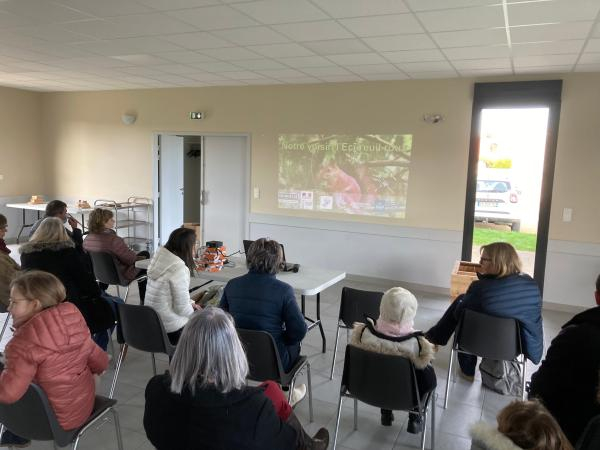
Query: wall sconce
[[128, 118], [433, 118]]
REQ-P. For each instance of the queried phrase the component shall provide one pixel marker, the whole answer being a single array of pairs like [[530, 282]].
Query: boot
[[320, 441]]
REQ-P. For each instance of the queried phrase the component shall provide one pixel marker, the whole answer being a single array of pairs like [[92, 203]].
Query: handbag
[[503, 377], [96, 311]]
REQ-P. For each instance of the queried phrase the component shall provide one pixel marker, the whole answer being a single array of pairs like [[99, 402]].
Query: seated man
[[259, 301], [58, 208], [567, 381]]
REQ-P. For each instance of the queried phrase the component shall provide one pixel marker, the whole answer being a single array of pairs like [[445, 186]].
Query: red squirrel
[[344, 188]]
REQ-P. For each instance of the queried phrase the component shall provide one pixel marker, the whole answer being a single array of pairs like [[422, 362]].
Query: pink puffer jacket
[[54, 349]]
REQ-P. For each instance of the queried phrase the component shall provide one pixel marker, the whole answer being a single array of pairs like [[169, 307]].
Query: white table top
[[8, 334], [307, 281], [71, 209]]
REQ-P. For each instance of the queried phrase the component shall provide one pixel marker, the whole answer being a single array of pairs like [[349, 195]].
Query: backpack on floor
[[503, 377]]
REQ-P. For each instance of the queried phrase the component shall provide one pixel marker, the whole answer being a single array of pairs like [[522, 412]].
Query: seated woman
[[102, 238], [205, 403], [169, 280], [521, 425], [51, 346], [503, 291], [259, 301], [8, 267], [393, 334], [51, 249]]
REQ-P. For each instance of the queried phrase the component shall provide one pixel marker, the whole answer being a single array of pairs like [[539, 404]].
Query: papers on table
[[8, 334]]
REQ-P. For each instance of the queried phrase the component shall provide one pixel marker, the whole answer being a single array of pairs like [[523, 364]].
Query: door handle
[[203, 197]]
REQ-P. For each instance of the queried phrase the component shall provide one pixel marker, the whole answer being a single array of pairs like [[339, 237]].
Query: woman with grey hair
[[259, 301], [205, 403]]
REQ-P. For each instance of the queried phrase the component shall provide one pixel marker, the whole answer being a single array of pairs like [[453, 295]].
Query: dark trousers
[[441, 332], [293, 353]]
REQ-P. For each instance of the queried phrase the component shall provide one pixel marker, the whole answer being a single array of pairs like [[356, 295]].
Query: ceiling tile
[[428, 5], [281, 50], [357, 59], [405, 42], [185, 57], [338, 47], [259, 64], [281, 11], [197, 41], [544, 60], [596, 32], [243, 75], [90, 62], [231, 53], [551, 32], [432, 75], [163, 5], [463, 18], [106, 8], [141, 59], [340, 78], [178, 69], [432, 66], [414, 56], [544, 69], [205, 76], [360, 8], [548, 48], [470, 38], [593, 45], [326, 71], [385, 76], [589, 58], [314, 31], [251, 36], [281, 73], [217, 66], [528, 13], [587, 68], [42, 12], [372, 68], [484, 72], [491, 63], [301, 62], [54, 34], [13, 20], [492, 51], [127, 46], [262, 81], [213, 17], [383, 25], [301, 80]]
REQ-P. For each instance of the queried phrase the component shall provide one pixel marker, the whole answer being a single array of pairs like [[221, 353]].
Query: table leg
[[303, 304], [22, 226], [314, 323]]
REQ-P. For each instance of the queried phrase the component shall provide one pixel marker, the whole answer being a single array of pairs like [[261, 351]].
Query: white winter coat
[[167, 290], [487, 437]]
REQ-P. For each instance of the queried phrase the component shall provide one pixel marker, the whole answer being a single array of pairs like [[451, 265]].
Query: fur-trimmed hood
[[33, 247], [487, 437], [420, 357]]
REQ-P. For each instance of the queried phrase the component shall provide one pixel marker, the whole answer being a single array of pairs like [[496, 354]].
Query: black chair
[[32, 417], [354, 306], [489, 337], [140, 327], [384, 381], [265, 363], [590, 439], [105, 271]]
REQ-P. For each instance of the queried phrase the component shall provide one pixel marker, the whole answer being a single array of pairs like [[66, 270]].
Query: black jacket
[[239, 420], [567, 381]]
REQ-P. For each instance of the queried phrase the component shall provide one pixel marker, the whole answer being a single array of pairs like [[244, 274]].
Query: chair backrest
[[3, 308], [262, 354], [141, 328], [356, 304], [380, 380], [489, 336], [105, 269], [32, 417], [590, 439]]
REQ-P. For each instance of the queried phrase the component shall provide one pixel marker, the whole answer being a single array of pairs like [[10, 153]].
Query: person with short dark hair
[[58, 208], [568, 381], [259, 301], [169, 272]]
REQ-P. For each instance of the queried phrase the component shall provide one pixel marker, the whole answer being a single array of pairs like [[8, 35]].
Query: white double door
[[225, 188]]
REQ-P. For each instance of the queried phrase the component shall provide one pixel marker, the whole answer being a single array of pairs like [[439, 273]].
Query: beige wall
[[21, 151], [91, 154]]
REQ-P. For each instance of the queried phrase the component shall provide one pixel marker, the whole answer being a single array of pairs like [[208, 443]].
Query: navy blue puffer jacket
[[259, 301], [516, 296]]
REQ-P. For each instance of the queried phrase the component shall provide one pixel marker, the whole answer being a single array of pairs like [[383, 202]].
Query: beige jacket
[[8, 271]]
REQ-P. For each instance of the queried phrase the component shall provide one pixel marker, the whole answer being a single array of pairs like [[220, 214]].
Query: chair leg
[[337, 421], [310, 403], [433, 406], [524, 378], [118, 291], [153, 363], [448, 379], [126, 294], [355, 414], [424, 432], [291, 389], [6, 324], [337, 336], [117, 428], [1, 429], [112, 348], [117, 369]]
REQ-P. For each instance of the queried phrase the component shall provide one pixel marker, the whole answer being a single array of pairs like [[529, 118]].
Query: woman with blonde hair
[[521, 426], [502, 291], [52, 250], [51, 346], [205, 402], [103, 238]]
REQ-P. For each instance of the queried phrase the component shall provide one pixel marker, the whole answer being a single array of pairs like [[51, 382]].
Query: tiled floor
[[469, 402]]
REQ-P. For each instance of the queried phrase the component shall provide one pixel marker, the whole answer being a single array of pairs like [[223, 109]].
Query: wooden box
[[463, 274]]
